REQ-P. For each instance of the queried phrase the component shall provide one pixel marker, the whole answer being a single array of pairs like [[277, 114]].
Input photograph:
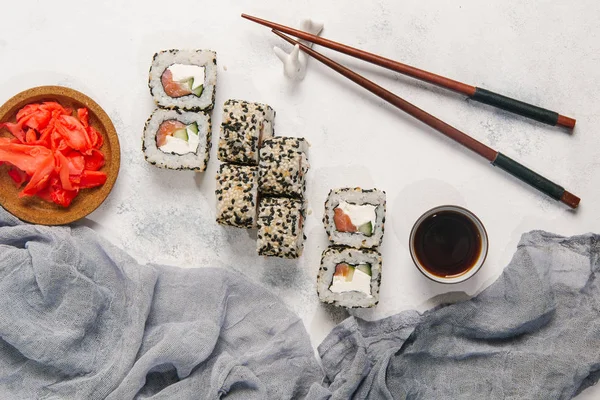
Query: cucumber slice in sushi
[[181, 134], [193, 128], [366, 268], [198, 90], [366, 229]]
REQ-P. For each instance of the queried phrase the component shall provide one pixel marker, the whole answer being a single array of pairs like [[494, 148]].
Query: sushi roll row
[[279, 219], [178, 133], [282, 169], [350, 272], [261, 182], [245, 125]]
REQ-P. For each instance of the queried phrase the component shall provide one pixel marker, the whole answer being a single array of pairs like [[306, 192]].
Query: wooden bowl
[[32, 208]]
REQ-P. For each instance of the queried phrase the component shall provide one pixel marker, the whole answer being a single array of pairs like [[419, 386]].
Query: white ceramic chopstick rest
[[294, 63]]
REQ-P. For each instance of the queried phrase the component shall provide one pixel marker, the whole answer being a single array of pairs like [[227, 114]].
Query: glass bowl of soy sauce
[[448, 244]]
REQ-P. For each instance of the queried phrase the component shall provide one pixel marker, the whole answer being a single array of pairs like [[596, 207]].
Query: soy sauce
[[447, 244]]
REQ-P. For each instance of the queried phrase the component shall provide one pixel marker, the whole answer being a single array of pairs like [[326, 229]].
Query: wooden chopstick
[[475, 93], [497, 159]]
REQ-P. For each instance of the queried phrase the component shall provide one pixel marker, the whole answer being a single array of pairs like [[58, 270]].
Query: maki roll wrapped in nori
[[349, 277], [184, 79], [280, 227], [355, 217], [245, 126], [237, 195], [283, 166], [177, 140]]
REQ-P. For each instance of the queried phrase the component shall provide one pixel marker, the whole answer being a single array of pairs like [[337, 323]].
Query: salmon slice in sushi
[[174, 136], [180, 80]]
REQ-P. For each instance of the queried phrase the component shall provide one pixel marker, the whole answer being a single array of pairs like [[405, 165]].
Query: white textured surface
[[544, 52]]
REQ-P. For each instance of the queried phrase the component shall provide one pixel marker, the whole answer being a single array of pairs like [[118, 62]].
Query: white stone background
[[543, 52]]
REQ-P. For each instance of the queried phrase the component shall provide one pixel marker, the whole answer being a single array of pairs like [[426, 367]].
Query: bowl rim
[[111, 139], [484, 248]]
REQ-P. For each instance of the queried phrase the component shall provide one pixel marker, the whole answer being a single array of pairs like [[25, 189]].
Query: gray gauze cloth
[[533, 334], [79, 319]]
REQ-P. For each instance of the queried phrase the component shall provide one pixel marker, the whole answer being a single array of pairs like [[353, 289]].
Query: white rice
[[335, 255], [193, 161], [202, 58]]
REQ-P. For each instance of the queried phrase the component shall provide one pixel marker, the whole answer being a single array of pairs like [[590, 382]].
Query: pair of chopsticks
[[496, 158]]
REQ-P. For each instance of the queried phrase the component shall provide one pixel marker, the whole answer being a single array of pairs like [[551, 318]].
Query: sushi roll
[[237, 195], [355, 217], [349, 277], [184, 79], [245, 126], [283, 166], [177, 140], [280, 224]]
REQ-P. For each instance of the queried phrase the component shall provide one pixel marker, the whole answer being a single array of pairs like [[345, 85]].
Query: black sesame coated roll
[[237, 195], [283, 166], [280, 225], [245, 126]]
